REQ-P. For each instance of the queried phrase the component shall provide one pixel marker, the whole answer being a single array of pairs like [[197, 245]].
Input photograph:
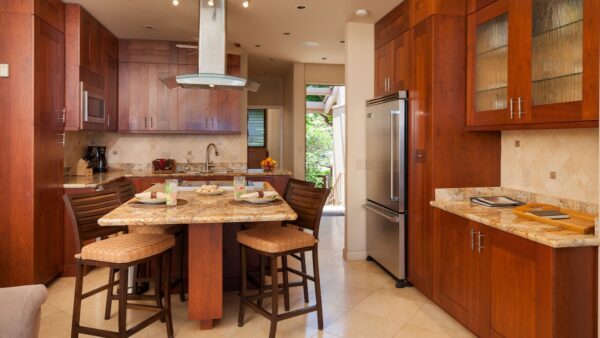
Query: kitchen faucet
[[209, 165]]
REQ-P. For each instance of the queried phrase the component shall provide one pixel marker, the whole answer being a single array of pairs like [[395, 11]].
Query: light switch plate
[[4, 70]]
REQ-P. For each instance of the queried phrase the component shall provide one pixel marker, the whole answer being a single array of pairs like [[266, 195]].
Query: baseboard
[[355, 255]]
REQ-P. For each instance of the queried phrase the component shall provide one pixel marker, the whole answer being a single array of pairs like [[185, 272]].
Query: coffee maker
[[96, 158]]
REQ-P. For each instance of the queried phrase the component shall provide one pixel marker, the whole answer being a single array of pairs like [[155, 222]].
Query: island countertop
[[456, 201], [200, 209], [92, 182]]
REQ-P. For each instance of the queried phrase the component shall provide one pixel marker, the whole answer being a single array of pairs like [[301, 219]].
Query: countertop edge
[[554, 243]]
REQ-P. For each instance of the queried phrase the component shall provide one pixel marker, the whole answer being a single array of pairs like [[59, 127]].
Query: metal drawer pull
[[394, 219], [479, 242], [472, 239], [520, 106], [512, 112], [62, 139], [145, 122]]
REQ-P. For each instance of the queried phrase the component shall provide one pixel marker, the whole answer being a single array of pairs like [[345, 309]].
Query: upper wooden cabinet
[[392, 24], [500, 285], [533, 64], [148, 51], [422, 9], [51, 12], [393, 65], [90, 58]]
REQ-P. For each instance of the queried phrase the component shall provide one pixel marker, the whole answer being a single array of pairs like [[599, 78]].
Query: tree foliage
[[319, 148]]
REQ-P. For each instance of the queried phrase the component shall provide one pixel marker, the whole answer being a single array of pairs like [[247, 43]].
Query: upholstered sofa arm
[[20, 310]]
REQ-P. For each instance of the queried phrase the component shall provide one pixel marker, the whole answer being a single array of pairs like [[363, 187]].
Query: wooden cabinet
[[440, 152], [422, 9], [146, 104], [501, 285], [32, 133], [393, 65], [91, 53], [544, 78], [392, 24]]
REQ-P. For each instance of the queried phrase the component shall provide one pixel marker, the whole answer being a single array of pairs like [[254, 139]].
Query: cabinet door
[[48, 151], [488, 74], [145, 102], [225, 110], [554, 92], [516, 281], [454, 268], [111, 91], [420, 192], [402, 75], [193, 105], [384, 68]]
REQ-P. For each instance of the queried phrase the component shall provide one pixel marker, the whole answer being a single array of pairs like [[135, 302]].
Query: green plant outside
[[319, 147]]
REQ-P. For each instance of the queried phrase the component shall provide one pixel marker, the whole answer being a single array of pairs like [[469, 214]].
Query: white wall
[[274, 133], [299, 120], [360, 67]]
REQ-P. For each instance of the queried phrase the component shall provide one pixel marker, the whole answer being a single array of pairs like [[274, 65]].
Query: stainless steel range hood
[[212, 53]]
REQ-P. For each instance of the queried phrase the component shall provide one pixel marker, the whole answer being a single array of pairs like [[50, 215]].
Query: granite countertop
[[199, 209], [92, 182], [456, 201]]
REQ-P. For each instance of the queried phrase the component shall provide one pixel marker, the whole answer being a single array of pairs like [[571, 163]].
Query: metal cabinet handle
[[108, 120], [393, 196], [151, 122], [61, 139], [512, 111], [472, 239], [479, 242], [520, 107], [394, 219], [145, 122], [63, 115]]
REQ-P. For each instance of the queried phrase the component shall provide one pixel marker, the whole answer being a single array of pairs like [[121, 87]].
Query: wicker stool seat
[[127, 248], [157, 229], [275, 239]]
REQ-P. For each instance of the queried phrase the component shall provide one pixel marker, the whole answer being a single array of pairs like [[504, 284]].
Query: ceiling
[[263, 23]]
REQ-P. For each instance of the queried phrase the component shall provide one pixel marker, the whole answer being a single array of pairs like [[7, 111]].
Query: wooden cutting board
[[579, 222]]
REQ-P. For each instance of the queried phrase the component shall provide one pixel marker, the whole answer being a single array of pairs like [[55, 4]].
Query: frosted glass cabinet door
[[556, 51]]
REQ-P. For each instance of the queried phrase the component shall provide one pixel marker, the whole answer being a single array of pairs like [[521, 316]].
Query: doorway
[[324, 154], [264, 135]]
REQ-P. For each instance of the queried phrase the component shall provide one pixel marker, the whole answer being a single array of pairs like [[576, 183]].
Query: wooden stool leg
[[286, 287], [109, 293], [261, 282], [77, 300], [182, 252], [157, 286], [304, 280], [123, 277], [317, 277], [243, 286], [167, 287], [275, 302]]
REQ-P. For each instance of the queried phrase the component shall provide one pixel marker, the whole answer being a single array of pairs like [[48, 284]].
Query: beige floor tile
[[411, 331], [344, 294], [359, 324], [409, 293], [393, 308], [56, 325], [363, 279], [433, 318]]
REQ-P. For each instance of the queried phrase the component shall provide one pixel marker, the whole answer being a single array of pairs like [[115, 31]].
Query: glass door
[[488, 61], [556, 60]]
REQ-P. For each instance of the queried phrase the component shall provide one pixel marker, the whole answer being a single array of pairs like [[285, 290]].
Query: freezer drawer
[[385, 239]]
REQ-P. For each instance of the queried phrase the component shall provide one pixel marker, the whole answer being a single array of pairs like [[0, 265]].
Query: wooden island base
[[205, 264]]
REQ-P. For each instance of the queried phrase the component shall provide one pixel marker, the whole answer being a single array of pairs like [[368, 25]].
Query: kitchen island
[[206, 216]]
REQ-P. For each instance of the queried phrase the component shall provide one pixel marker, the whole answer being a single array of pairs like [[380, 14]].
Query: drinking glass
[[171, 187], [239, 187]]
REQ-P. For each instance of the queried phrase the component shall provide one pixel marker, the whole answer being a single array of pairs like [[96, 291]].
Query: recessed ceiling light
[[211, 3], [323, 58], [310, 44], [342, 41], [246, 3], [287, 33], [175, 2], [301, 7], [257, 46], [149, 27], [361, 13], [270, 60]]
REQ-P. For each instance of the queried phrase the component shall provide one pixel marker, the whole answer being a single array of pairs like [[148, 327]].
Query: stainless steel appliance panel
[[386, 152], [385, 239]]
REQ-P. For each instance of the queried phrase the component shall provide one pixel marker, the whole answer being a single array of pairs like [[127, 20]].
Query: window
[[257, 128]]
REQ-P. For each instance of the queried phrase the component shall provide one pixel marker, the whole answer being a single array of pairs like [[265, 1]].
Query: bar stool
[[126, 192], [279, 242], [118, 253]]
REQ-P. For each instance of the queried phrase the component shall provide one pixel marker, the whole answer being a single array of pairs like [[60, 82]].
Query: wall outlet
[[4, 70], [553, 175], [517, 144]]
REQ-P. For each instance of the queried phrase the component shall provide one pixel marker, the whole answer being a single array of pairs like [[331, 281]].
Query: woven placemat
[[248, 204], [136, 204]]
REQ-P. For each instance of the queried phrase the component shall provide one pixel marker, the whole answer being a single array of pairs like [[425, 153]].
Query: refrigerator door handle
[[391, 218], [394, 114]]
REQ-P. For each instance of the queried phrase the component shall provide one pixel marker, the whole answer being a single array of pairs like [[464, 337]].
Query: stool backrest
[[125, 189], [85, 209], [308, 202]]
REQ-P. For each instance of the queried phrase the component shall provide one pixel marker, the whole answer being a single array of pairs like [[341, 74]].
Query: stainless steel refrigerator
[[386, 183]]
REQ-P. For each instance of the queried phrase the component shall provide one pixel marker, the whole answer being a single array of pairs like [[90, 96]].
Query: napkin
[[257, 194], [148, 195]]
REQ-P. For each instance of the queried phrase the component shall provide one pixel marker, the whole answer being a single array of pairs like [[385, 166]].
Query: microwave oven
[[92, 104]]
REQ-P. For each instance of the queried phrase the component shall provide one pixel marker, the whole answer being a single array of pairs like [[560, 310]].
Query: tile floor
[[359, 300]]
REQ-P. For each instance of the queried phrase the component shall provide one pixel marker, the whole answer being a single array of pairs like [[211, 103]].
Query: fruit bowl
[[268, 164]]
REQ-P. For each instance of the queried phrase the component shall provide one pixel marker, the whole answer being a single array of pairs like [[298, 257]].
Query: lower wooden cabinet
[[501, 285]]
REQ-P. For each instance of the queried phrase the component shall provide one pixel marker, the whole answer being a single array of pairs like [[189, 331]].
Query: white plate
[[152, 200], [259, 200], [218, 192]]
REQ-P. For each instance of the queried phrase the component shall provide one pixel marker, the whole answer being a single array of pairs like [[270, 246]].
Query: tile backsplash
[[561, 162]]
